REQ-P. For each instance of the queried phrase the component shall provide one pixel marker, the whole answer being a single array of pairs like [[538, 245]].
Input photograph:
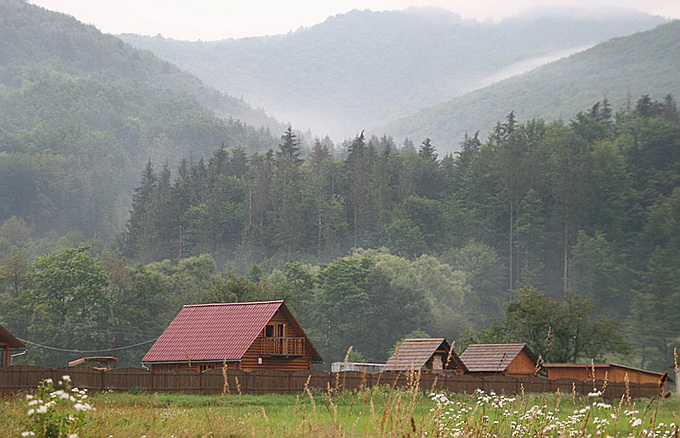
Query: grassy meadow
[[377, 412]]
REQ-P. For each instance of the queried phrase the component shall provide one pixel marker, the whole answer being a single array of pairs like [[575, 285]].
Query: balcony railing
[[282, 346]]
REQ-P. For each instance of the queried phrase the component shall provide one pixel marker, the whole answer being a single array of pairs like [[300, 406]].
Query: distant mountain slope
[[621, 69], [362, 68], [81, 113], [30, 34]]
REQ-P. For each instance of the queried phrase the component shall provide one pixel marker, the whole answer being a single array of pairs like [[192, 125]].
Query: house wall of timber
[[611, 373], [521, 366], [282, 362]]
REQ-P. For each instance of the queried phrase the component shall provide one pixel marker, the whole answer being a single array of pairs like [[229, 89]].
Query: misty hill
[[647, 63], [81, 113], [364, 68]]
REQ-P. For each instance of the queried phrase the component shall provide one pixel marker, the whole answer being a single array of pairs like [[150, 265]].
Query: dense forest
[[80, 114], [568, 228]]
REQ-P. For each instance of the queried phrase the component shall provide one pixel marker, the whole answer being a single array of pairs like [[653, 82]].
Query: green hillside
[[81, 113], [362, 68], [619, 70]]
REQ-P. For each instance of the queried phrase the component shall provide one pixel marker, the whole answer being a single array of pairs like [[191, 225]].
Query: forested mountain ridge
[[32, 35], [644, 63], [362, 68], [81, 113]]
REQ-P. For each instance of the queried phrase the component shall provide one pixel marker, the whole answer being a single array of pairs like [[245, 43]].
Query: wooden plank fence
[[22, 378]]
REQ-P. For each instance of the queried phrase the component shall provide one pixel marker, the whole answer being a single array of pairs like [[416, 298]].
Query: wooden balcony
[[282, 346]]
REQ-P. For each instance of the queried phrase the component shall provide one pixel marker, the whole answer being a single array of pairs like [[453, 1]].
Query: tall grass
[[382, 411]]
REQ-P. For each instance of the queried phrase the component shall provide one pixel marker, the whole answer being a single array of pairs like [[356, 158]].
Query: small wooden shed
[[512, 360], [600, 371], [7, 342], [245, 336], [425, 354]]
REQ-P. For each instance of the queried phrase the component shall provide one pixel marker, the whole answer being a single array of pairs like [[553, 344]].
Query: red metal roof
[[493, 358], [209, 332]]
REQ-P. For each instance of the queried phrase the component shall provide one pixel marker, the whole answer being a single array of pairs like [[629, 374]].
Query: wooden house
[[244, 336], [7, 342], [426, 354], [610, 372], [512, 360]]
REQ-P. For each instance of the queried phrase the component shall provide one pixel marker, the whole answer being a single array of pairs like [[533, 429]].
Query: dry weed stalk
[[434, 383], [449, 355], [626, 380], [364, 379], [677, 376], [585, 423], [344, 374], [225, 387], [238, 386], [309, 393], [592, 370], [186, 355], [539, 365]]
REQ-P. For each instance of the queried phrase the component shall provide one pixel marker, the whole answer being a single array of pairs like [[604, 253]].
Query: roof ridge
[[234, 304], [424, 339]]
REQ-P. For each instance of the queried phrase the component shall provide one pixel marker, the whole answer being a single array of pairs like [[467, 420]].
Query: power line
[[67, 350]]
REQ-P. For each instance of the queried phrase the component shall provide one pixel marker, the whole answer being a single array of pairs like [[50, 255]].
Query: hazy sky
[[221, 19]]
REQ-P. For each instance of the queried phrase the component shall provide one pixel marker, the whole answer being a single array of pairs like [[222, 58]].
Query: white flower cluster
[[63, 407], [492, 415]]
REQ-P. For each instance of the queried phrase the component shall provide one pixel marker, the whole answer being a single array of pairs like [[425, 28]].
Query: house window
[[281, 330], [269, 331], [207, 366]]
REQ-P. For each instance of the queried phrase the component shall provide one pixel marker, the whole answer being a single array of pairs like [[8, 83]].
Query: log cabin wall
[[250, 360], [521, 366], [609, 373]]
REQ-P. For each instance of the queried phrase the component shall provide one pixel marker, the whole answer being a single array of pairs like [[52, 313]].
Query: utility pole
[[115, 350]]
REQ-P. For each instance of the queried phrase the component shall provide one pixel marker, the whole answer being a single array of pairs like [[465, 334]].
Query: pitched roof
[[9, 339], [413, 354], [216, 332], [493, 358]]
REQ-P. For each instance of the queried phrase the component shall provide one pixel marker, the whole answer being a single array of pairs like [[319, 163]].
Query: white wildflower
[[82, 407], [28, 433]]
